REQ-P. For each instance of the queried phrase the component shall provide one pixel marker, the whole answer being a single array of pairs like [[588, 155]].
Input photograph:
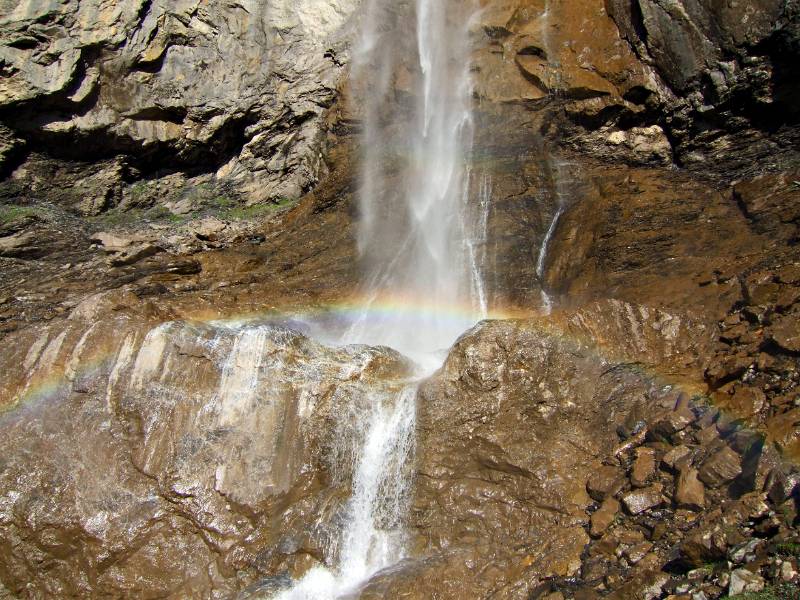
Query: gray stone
[[134, 254], [640, 500], [744, 552], [19, 244], [195, 78], [743, 581], [208, 228]]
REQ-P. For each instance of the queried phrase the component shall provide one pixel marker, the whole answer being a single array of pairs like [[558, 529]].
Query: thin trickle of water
[[547, 301], [240, 373], [561, 180], [476, 245]]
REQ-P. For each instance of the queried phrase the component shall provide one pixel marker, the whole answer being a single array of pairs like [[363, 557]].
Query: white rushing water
[[421, 241], [418, 228], [373, 536]]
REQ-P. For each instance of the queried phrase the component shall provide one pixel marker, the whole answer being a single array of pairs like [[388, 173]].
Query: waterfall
[[417, 230], [421, 242]]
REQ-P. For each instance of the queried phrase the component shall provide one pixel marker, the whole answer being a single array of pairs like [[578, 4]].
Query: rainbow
[[385, 306], [38, 389]]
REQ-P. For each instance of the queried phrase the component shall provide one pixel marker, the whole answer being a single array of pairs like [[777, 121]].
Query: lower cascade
[[372, 536]]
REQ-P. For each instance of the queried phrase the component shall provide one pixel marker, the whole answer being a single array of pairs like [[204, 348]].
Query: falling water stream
[[559, 175], [421, 240], [417, 226]]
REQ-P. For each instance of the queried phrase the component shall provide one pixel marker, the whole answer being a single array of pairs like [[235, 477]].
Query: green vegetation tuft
[[784, 591], [162, 213], [226, 208], [9, 214], [116, 217], [789, 549], [221, 206], [138, 190], [222, 202]]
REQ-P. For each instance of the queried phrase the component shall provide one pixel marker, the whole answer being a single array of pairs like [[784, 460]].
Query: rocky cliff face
[[238, 90], [638, 443]]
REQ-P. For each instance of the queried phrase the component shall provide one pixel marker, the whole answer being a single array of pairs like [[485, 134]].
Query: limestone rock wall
[[193, 86]]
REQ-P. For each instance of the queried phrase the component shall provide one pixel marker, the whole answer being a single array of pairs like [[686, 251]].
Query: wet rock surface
[[148, 152], [176, 459]]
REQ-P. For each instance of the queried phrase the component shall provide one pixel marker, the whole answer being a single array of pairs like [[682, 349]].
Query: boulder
[[20, 245], [208, 228], [119, 241], [720, 468], [638, 501], [689, 490]]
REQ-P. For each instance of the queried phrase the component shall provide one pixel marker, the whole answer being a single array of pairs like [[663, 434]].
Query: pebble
[[787, 571]]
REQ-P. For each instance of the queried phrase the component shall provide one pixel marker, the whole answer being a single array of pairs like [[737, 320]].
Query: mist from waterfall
[[418, 229]]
